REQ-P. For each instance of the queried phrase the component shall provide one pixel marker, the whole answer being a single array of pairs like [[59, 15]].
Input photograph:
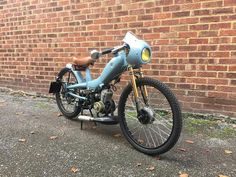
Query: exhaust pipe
[[104, 120]]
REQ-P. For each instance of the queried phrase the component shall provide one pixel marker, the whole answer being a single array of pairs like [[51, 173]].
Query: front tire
[[155, 136]]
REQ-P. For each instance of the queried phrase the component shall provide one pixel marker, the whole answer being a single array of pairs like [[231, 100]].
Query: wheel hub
[[146, 116]]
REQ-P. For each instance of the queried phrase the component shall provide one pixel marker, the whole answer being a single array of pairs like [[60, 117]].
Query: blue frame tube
[[113, 68]]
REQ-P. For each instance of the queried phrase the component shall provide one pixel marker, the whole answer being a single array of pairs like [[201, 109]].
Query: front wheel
[[156, 127]]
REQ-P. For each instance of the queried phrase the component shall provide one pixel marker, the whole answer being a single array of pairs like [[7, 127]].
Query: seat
[[84, 61]]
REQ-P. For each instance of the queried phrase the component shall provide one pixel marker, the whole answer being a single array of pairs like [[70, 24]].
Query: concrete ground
[[35, 142]]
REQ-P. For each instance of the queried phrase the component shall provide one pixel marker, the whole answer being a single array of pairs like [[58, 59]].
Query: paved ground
[[94, 151]]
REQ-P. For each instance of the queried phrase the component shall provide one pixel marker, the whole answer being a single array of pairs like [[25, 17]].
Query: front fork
[[135, 89]]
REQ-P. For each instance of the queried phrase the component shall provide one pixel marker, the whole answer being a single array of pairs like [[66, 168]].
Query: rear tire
[[174, 111], [69, 114]]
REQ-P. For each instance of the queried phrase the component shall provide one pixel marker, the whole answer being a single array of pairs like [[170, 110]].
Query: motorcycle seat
[[84, 61]]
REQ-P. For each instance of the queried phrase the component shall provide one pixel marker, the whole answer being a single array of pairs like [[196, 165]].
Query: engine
[[106, 104]]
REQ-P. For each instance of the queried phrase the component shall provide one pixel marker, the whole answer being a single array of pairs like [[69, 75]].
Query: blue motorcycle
[[148, 112]]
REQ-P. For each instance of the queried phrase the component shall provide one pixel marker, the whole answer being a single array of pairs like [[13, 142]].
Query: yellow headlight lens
[[146, 55]]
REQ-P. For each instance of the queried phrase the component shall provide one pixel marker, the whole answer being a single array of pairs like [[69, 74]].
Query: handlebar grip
[[106, 51]]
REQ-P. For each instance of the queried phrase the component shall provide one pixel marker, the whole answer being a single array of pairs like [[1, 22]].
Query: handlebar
[[96, 55], [113, 50], [107, 51]]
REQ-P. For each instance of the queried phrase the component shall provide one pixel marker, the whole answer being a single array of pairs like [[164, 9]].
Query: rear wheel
[[65, 102], [156, 127]]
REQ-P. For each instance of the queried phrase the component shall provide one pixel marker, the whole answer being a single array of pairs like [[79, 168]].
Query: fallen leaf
[[32, 132], [234, 125], [53, 137], [59, 114], [94, 127], [183, 175], [150, 168], [228, 152], [117, 135], [189, 141], [19, 113], [140, 141], [182, 149], [138, 164], [22, 140], [74, 169], [223, 176], [2, 101]]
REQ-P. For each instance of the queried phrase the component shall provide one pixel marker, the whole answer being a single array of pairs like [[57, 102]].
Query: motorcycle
[[148, 112]]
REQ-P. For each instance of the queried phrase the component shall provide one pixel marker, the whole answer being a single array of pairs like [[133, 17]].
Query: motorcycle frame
[[115, 67]]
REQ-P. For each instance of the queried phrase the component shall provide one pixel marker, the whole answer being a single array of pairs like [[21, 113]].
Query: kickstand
[[81, 125], [92, 116], [81, 122]]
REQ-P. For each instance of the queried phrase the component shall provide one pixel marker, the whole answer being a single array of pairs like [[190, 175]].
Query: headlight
[[146, 54]]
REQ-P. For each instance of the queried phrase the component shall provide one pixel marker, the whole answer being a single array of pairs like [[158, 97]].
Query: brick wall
[[193, 42]]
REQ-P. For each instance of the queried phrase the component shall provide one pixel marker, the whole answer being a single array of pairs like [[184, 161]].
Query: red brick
[[201, 12], [199, 27], [223, 11], [206, 74], [212, 4], [187, 34], [228, 33], [227, 47], [229, 2], [232, 68], [218, 26], [162, 15], [181, 14], [198, 41], [189, 20], [209, 19], [208, 34], [216, 68]]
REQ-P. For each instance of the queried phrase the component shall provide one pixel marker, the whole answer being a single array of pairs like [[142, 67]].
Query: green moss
[[41, 105], [211, 128]]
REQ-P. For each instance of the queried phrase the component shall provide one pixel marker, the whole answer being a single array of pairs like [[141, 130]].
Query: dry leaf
[[182, 149], [19, 113], [228, 152], [74, 169], [223, 176], [140, 141], [59, 114], [138, 164], [150, 168], [189, 141], [53, 137], [22, 140], [183, 175], [117, 135]]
